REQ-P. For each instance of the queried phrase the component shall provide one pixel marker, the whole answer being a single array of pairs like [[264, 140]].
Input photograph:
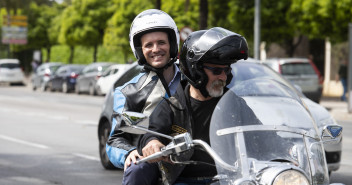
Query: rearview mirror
[[137, 123], [134, 122]]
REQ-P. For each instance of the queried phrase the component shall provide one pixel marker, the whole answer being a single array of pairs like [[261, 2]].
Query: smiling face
[[156, 48]]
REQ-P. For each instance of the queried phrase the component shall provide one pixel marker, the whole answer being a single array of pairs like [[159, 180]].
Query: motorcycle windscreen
[[259, 123]]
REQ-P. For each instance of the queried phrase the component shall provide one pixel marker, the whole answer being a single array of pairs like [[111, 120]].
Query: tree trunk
[[295, 45], [203, 14], [158, 4], [72, 49], [48, 50], [186, 6], [95, 53]]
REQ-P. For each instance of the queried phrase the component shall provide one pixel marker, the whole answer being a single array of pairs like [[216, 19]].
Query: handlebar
[[182, 143]]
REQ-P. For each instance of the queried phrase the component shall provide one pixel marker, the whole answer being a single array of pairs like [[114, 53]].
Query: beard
[[216, 88]]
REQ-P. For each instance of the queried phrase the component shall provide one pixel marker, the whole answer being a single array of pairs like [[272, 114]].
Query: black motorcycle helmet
[[217, 46]]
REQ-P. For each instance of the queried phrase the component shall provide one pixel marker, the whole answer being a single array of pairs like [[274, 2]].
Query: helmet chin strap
[[160, 71]]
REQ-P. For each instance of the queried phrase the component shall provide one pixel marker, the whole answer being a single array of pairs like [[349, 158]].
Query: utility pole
[[349, 69], [257, 30]]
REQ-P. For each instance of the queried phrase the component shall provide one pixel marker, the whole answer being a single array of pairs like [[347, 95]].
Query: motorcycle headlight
[[283, 175], [291, 177]]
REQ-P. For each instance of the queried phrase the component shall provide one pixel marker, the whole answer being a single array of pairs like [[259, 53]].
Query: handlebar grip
[[151, 157]]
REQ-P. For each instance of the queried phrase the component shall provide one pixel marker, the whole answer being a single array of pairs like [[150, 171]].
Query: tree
[[321, 19], [238, 15], [70, 29], [95, 14], [40, 21], [116, 37]]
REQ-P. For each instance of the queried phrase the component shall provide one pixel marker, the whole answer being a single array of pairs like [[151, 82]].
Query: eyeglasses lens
[[218, 70]]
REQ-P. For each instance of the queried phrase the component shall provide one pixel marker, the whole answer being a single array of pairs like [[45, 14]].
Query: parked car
[[11, 72], [108, 78], [104, 126], [86, 82], [42, 75], [244, 70], [65, 77], [302, 72]]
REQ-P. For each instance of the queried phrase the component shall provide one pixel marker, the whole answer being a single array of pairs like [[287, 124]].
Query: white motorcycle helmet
[[149, 21]]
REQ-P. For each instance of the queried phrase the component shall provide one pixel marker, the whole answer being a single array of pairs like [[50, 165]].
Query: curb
[[337, 108]]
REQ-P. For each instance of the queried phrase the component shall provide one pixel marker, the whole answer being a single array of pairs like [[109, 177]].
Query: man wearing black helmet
[[154, 40], [205, 61]]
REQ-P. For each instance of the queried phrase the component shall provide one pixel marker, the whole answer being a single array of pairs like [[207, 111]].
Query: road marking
[[86, 156], [23, 142]]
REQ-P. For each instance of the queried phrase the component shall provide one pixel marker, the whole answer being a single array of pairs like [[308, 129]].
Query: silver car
[[302, 72], [86, 81], [249, 69], [43, 74]]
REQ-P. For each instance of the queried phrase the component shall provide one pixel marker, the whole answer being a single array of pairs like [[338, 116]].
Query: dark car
[[104, 126], [65, 77], [86, 82], [42, 75]]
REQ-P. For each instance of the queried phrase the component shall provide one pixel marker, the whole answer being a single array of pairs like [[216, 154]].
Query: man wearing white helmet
[[154, 40]]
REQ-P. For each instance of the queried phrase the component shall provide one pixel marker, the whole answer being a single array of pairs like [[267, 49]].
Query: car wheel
[[43, 87], [92, 90], [64, 87], [77, 89], [103, 134], [50, 87], [34, 87]]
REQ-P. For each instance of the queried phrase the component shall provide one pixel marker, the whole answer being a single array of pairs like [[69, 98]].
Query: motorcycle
[[280, 145]]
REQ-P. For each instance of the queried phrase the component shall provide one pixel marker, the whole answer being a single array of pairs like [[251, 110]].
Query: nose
[[222, 76], [155, 48]]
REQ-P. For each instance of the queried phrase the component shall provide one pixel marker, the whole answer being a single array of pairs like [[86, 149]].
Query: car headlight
[[291, 177]]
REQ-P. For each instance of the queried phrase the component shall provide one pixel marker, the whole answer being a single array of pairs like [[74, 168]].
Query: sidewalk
[[337, 108]]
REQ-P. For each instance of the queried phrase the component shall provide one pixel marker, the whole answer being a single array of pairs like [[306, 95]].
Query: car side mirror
[[331, 134], [137, 123]]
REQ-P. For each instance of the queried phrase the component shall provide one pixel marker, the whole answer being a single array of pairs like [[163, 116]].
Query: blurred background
[[87, 31]]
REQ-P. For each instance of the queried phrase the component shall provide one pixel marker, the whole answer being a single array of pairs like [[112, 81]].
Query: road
[[51, 138]]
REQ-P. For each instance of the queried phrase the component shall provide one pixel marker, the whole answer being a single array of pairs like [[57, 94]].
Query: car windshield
[[9, 65], [76, 69], [297, 69], [54, 68], [243, 71]]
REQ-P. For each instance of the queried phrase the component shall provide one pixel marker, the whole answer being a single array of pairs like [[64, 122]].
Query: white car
[[109, 77], [11, 72]]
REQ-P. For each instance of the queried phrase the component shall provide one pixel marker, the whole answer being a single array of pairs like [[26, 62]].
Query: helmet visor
[[209, 39]]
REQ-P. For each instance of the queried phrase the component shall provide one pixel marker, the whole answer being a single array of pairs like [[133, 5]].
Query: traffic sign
[[14, 29]]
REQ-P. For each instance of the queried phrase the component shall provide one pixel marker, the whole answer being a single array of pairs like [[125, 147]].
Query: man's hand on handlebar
[[152, 147]]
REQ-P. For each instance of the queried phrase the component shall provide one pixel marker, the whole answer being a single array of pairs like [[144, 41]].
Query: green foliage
[[323, 18], [106, 23], [183, 14], [82, 55], [116, 37]]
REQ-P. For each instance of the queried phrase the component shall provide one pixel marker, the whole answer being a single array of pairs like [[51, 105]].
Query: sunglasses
[[218, 70]]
